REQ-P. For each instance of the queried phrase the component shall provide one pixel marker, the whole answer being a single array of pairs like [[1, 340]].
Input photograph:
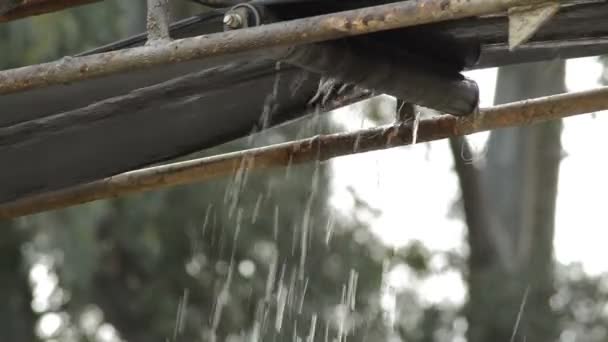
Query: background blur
[[500, 237]]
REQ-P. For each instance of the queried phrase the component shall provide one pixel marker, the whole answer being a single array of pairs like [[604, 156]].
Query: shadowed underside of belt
[[153, 124]]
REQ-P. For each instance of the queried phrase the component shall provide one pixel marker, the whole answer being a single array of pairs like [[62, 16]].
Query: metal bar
[[319, 148], [158, 19], [28, 8], [290, 33]]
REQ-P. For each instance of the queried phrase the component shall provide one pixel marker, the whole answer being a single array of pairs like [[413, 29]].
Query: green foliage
[[416, 256], [47, 37], [7, 5], [16, 318]]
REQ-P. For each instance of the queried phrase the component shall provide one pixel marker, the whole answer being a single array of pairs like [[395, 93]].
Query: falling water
[[303, 296], [304, 239], [256, 209], [343, 314], [352, 289], [297, 83], [272, 273], [270, 102], [281, 299], [329, 228], [520, 313], [313, 328], [325, 89], [275, 228], [222, 298], [358, 137], [288, 167], [281, 302], [206, 220], [181, 315], [415, 124]]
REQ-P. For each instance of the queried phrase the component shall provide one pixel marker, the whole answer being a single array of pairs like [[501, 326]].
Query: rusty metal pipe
[[294, 32]]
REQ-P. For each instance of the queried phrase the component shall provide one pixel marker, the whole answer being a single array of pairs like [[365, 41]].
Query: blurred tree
[[581, 302], [47, 37], [23, 42], [7, 5], [17, 319], [509, 205]]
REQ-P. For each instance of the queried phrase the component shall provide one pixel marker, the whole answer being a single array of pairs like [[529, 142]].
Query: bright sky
[[415, 186]]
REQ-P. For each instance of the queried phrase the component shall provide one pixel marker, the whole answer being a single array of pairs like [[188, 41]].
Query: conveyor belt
[[38, 158]]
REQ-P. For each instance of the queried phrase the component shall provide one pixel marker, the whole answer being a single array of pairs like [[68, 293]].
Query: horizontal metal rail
[[319, 148], [289, 33]]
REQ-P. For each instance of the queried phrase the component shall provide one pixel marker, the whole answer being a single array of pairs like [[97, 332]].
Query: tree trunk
[[510, 208], [7, 5], [17, 320]]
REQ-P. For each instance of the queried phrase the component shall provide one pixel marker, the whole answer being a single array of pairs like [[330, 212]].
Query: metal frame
[[161, 50]]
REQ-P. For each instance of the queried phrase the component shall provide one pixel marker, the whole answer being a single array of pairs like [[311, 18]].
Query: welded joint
[[525, 21]]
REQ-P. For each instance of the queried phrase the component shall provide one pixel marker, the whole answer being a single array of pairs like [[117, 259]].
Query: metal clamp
[[243, 15]]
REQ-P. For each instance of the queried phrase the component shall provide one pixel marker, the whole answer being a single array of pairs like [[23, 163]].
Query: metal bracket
[[242, 16], [524, 21]]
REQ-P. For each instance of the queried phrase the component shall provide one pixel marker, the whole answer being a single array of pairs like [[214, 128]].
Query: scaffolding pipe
[[290, 33]]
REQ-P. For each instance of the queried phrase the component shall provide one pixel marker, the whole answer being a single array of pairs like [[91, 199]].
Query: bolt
[[233, 20]]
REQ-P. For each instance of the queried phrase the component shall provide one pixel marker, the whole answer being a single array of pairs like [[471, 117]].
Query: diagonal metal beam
[[319, 148], [27, 8], [290, 33]]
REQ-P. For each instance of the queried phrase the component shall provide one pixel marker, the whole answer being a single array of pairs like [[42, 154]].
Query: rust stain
[[369, 21], [368, 18], [337, 23], [389, 17]]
